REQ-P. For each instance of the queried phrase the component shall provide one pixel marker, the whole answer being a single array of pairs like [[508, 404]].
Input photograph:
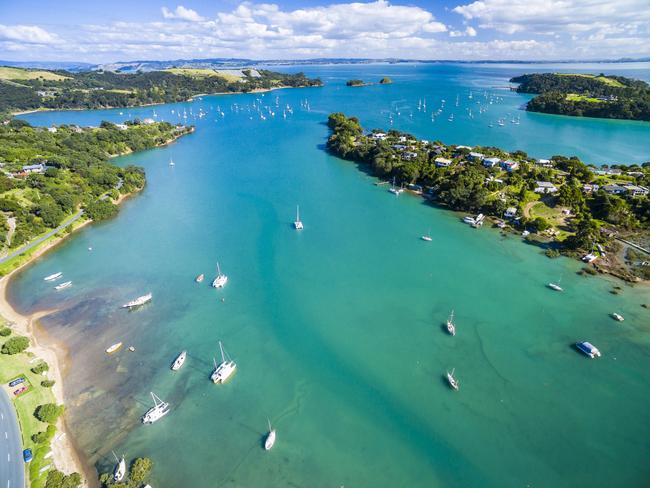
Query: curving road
[[12, 468]]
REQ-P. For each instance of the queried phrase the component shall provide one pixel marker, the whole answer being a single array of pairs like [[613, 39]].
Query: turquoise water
[[337, 330]]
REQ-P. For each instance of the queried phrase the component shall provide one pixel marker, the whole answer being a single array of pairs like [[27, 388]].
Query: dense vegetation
[[48, 413], [461, 181], [76, 173], [138, 474], [354, 83], [614, 97], [15, 345], [101, 89]]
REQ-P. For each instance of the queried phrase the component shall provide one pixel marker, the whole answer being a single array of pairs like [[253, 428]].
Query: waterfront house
[[442, 162], [398, 147], [614, 189], [52, 129], [636, 191], [491, 162], [378, 136], [148, 121], [589, 188], [545, 163], [121, 126], [475, 156], [509, 165], [34, 168], [510, 213], [409, 155], [545, 187]]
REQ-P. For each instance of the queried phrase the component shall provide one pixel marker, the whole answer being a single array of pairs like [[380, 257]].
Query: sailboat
[[270, 437], [199, 278], [555, 286], [427, 237], [221, 279], [394, 190], [120, 469], [453, 382], [451, 328], [158, 411], [171, 162], [224, 369], [179, 361], [298, 223], [53, 277]]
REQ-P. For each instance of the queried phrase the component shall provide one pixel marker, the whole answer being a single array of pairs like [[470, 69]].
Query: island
[[601, 215], [24, 90], [356, 82], [584, 95]]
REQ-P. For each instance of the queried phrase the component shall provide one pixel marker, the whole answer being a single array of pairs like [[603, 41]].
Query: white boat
[[53, 277], [63, 285], [138, 301], [618, 316], [224, 369], [171, 162], [179, 361], [589, 349], [555, 286], [158, 411], [451, 328], [453, 382], [426, 238], [525, 233], [298, 223], [469, 220], [113, 348], [120, 469], [199, 278], [221, 279], [501, 224], [270, 438]]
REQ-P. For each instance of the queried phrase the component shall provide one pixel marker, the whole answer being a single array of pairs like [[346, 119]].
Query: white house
[[509, 165], [475, 156], [546, 163], [409, 155], [491, 162], [148, 121], [636, 191], [52, 129], [545, 187], [378, 136], [34, 168], [442, 162], [614, 189], [510, 213], [121, 126]]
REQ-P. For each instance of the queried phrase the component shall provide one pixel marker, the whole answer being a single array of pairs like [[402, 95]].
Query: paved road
[[12, 468], [76, 217]]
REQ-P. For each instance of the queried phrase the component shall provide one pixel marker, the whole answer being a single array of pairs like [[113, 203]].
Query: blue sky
[[104, 31]]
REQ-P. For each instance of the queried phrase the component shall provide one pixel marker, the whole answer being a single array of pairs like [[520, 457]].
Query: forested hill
[[47, 175], [614, 97], [23, 89]]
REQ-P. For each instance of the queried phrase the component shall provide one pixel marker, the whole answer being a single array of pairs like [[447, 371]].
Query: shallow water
[[337, 330]]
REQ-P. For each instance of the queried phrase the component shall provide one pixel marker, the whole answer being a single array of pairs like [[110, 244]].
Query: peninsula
[[561, 204], [582, 95], [30, 89]]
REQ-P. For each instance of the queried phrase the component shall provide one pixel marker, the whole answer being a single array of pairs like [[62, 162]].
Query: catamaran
[[53, 277], [224, 369], [113, 348], [451, 328], [158, 411], [120, 469], [589, 349], [63, 285], [298, 223], [221, 279], [453, 382], [179, 361], [394, 190], [138, 301], [270, 437]]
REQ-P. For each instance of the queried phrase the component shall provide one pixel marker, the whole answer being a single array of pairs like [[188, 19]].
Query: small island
[[583, 95], [31, 89], [600, 215], [356, 82]]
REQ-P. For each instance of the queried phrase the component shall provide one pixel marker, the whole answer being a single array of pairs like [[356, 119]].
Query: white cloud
[[469, 32], [29, 34], [182, 13]]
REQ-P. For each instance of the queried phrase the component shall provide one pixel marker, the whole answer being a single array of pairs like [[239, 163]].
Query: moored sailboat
[[138, 301], [120, 469], [453, 382], [158, 411], [298, 223], [179, 361], [451, 328], [221, 279], [224, 369], [270, 437]]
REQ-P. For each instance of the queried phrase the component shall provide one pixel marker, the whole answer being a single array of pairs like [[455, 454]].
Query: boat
[[120, 469], [131, 349], [63, 285], [53, 277], [451, 328], [501, 224], [555, 286], [589, 349], [138, 301], [179, 361], [618, 316], [158, 411], [426, 238], [298, 223], [224, 369], [270, 438], [525, 233], [453, 382], [469, 220], [199, 278], [171, 162], [113, 348], [221, 279]]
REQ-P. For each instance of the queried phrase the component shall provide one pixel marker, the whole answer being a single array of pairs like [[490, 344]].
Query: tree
[[5, 331], [15, 345], [101, 210], [140, 470], [56, 479], [40, 367], [47, 383], [48, 413]]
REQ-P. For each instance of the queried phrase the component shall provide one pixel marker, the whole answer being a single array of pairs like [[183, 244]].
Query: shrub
[[552, 253], [48, 412], [40, 367], [140, 470], [5, 331], [15, 345], [48, 383], [56, 479], [45, 436]]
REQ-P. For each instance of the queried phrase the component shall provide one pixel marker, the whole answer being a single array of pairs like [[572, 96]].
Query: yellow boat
[[113, 348]]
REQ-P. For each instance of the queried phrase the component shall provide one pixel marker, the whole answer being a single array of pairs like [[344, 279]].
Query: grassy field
[[573, 97], [7, 73], [203, 73], [602, 79], [19, 365]]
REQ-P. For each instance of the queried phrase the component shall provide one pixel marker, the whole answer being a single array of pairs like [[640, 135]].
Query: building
[[475, 156], [545, 187], [52, 129], [121, 126], [491, 162], [545, 163], [398, 147], [509, 165], [589, 188], [614, 189], [378, 136], [442, 162], [636, 191], [148, 121], [409, 155], [34, 168], [510, 213]]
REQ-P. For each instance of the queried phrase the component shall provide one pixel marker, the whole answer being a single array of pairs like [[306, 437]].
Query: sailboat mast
[[223, 358], [297, 213]]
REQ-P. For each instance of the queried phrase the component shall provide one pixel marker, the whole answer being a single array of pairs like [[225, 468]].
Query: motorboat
[[63, 285], [555, 286], [53, 277], [618, 316], [589, 349], [199, 278], [113, 348]]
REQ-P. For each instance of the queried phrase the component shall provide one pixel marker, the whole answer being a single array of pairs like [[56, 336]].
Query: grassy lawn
[[23, 74], [602, 79], [204, 73], [19, 365], [573, 97]]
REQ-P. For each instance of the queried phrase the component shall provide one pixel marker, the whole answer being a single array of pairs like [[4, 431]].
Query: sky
[[118, 30]]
